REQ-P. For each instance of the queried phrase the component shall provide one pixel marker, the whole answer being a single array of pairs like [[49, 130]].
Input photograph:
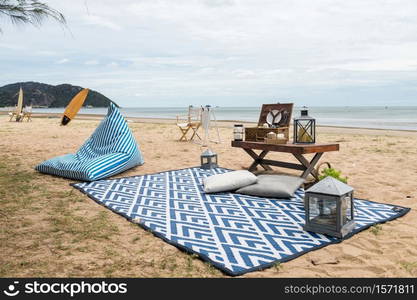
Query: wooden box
[[258, 134]]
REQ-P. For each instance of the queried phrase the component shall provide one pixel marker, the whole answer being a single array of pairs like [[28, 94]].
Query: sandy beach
[[49, 229]]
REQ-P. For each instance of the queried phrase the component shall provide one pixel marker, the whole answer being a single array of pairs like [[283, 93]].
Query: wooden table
[[297, 150]]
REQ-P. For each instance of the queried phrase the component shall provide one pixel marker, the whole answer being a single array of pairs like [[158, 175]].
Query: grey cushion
[[229, 181], [275, 186]]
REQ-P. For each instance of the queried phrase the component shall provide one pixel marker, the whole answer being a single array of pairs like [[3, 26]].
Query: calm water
[[400, 117]]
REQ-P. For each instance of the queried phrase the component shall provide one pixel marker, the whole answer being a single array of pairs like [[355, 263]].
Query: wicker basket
[[258, 134]]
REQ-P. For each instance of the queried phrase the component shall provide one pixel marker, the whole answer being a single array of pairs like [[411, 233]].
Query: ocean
[[380, 117]]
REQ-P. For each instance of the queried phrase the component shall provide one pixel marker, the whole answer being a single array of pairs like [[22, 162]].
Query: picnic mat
[[236, 233]]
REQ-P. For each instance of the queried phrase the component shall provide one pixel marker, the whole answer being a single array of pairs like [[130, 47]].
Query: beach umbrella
[[74, 106]]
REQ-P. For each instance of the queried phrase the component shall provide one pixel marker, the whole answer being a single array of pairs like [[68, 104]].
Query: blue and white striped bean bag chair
[[110, 150]]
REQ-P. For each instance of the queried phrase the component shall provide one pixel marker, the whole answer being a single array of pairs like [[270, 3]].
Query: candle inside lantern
[[238, 132], [304, 136]]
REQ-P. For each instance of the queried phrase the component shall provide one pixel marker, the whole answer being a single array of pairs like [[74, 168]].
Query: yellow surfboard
[[18, 113], [20, 102], [74, 106]]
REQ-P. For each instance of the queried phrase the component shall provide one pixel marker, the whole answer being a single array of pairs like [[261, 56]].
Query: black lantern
[[329, 208], [208, 160], [304, 128], [238, 131]]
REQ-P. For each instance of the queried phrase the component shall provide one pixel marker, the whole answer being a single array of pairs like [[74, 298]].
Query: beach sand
[[50, 229]]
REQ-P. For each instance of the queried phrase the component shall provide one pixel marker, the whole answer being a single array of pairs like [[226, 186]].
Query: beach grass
[[46, 231], [410, 267]]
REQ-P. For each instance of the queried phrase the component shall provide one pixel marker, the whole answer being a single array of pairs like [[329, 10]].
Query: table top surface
[[289, 147]]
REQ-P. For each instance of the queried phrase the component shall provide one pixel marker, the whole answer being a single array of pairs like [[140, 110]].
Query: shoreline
[[220, 123]]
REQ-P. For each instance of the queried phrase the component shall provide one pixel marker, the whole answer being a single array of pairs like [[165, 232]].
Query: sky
[[223, 52]]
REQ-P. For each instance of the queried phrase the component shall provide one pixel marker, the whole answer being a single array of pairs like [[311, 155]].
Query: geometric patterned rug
[[236, 233]]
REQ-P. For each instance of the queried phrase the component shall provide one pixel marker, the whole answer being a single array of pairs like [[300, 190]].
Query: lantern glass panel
[[314, 208], [346, 208], [214, 159], [323, 211], [204, 160]]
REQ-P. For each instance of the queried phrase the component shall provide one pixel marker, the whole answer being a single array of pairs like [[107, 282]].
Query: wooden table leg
[[257, 159], [309, 165], [261, 157]]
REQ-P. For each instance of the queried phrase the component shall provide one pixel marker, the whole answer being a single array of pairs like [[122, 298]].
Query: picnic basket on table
[[281, 116]]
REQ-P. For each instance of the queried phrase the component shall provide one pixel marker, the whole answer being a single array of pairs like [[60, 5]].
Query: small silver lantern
[[329, 208], [208, 160], [238, 131], [304, 128]]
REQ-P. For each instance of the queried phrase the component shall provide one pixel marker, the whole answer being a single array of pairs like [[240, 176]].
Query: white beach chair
[[190, 122]]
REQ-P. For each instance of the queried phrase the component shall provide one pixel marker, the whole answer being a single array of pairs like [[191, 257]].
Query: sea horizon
[[377, 117]]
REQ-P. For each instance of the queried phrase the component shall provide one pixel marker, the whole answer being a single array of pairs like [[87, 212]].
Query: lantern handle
[[329, 166]]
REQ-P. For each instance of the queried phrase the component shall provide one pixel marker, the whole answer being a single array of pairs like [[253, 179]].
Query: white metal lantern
[[209, 160], [329, 208]]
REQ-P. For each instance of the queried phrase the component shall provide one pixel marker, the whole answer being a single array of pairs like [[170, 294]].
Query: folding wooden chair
[[12, 113], [190, 122], [15, 114]]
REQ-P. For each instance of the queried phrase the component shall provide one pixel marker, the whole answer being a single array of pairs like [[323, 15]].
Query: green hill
[[41, 94]]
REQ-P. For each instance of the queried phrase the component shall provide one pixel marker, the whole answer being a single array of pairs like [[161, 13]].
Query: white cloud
[[91, 62], [101, 21], [388, 65], [62, 61], [46, 53], [227, 51], [113, 64], [11, 46]]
